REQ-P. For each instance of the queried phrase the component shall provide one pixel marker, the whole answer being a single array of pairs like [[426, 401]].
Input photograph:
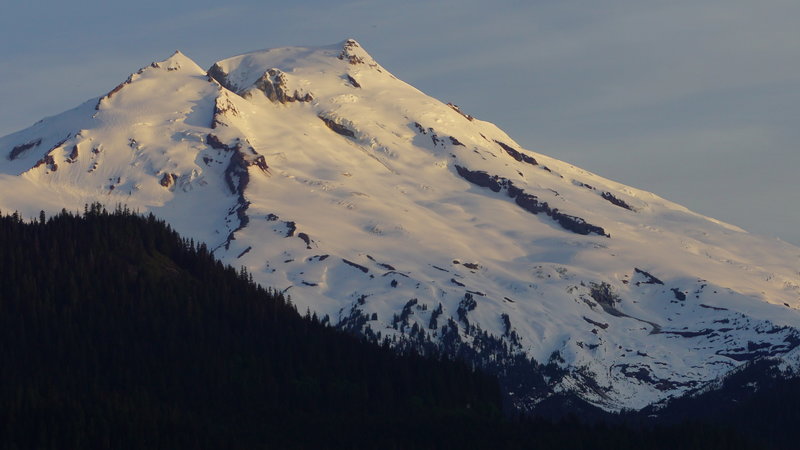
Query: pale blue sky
[[697, 101]]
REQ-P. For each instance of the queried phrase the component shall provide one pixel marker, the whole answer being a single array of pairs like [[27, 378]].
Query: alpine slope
[[390, 214]]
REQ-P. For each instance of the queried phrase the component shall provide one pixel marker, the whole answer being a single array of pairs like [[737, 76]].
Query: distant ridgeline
[[117, 333]]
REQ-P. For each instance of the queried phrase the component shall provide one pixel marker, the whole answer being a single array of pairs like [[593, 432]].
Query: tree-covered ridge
[[117, 333]]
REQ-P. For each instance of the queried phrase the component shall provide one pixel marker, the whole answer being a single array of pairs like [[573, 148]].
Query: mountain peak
[[405, 219], [349, 42], [354, 52], [246, 72], [178, 61]]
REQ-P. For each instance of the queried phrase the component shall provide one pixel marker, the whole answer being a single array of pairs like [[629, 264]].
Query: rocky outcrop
[[214, 142], [353, 81], [305, 239], [73, 155], [112, 92], [291, 227], [22, 148], [172, 63], [529, 202], [616, 201], [648, 277], [357, 266], [458, 110], [339, 128], [223, 106], [608, 196], [274, 84], [48, 161], [455, 141], [237, 175], [602, 326], [349, 54], [435, 138], [679, 295], [168, 180], [217, 74], [244, 156], [604, 295], [482, 179], [118, 88], [471, 266], [519, 156]]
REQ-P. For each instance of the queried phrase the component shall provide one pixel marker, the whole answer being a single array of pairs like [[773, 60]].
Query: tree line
[[115, 332]]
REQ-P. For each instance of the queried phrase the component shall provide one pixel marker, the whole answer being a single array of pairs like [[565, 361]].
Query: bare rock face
[[353, 81], [48, 161], [274, 84], [348, 52], [244, 156], [168, 180], [112, 92], [455, 108], [529, 202], [355, 55], [223, 107], [217, 74], [20, 149], [519, 156], [337, 127], [73, 155], [236, 174], [616, 201]]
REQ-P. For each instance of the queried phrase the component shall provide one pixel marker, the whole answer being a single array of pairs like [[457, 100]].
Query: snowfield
[[403, 218]]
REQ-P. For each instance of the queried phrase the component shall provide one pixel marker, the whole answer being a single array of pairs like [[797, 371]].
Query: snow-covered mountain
[[390, 213]]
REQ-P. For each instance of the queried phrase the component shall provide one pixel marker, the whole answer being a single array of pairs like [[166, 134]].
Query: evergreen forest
[[116, 332]]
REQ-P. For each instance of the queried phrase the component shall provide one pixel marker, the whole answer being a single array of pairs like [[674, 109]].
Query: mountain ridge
[[404, 219]]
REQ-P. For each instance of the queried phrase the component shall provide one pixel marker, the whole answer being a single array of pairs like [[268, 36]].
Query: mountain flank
[[405, 220], [117, 333]]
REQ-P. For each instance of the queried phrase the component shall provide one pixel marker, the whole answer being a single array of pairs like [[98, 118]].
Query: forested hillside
[[117, 333]]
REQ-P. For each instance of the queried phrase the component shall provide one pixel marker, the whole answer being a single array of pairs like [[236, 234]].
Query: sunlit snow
[[361, 208]]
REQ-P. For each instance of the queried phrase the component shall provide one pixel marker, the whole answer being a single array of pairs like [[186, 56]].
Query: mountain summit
[[391, 214]]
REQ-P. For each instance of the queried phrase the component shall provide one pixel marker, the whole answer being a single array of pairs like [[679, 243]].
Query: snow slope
[[401, 217]]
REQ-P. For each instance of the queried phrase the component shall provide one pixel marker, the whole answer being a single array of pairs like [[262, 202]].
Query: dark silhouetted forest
[[757, 400], [117, 333]]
